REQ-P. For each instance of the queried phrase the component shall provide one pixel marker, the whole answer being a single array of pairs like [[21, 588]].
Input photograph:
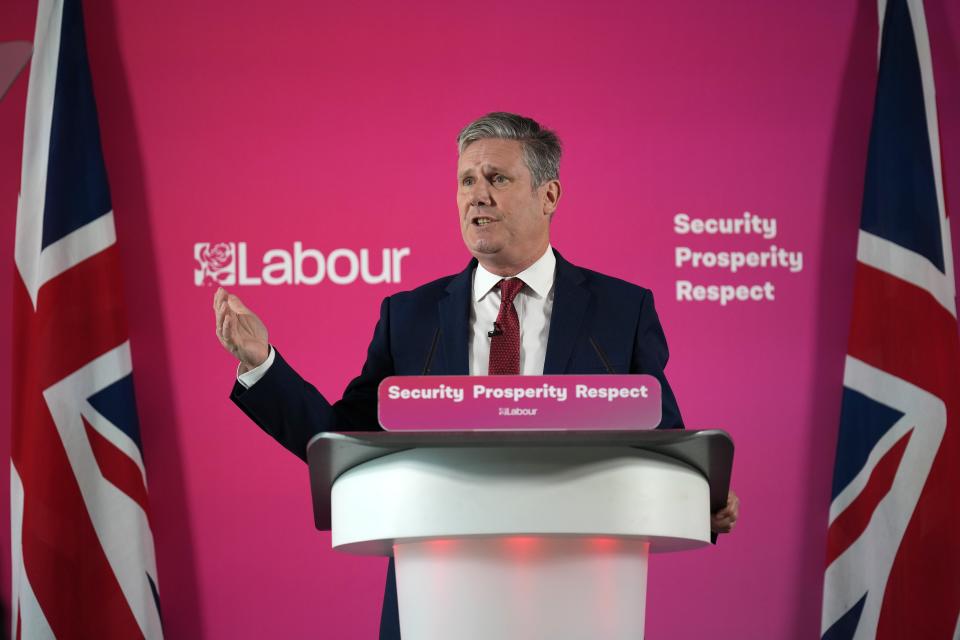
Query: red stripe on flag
[[62, 556], [850, 524], [901, 329], [79, 316], [117, 467]]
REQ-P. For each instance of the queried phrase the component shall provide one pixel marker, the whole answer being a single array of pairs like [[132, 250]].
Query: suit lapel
[[570, 301], [454, 312]]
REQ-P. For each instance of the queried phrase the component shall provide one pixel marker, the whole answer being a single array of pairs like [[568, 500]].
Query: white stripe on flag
[[865, 566], [36, 143], [907, 265], [34, 625], [919, 21], [75, 247], [115, 436], [120, 523], [38, 267]]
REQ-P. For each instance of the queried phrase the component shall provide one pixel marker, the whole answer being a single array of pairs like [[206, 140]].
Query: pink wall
[[333, 124]]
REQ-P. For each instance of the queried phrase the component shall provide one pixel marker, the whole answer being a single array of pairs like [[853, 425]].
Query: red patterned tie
[[505, 343]]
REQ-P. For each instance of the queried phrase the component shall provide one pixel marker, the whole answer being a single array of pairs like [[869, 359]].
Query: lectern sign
[[436, 403]]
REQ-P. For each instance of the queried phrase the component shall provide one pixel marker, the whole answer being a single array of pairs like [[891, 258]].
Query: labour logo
[[216, 264], [226, 264]]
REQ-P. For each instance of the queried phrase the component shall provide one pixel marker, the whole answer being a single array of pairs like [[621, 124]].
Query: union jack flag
[[83, 554], [893, 560]]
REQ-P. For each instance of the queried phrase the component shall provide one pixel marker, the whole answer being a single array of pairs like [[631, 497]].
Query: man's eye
[[499, 179], [467, 182]]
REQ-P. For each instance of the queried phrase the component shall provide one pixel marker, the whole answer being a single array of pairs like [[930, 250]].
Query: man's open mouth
[[482, 221]]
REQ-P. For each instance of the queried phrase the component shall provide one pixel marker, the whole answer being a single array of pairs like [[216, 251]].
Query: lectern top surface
[[331, 454]]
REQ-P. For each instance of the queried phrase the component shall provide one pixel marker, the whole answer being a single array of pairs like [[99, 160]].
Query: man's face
[[505, 221]]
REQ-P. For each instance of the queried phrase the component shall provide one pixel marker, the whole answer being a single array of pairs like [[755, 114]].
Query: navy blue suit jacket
[[427, 329]]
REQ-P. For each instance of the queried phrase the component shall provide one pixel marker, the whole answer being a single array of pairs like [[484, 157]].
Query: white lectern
[[519, 535]]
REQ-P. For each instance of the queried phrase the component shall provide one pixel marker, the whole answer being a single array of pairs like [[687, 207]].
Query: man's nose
[[480, 195]]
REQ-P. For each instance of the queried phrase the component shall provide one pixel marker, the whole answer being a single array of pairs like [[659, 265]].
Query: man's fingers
[[223, 300], [227, 331], [223, 312], [236, 304], [721, 518], [725, 519], [231, 325], [238, 329], [218, 297], [722, 525], [733, 505], [221, 328]]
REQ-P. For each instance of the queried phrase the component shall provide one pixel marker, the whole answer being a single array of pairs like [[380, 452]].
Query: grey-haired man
[[568, 319]]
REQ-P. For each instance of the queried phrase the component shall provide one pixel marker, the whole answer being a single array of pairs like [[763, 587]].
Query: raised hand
[[240, 331]]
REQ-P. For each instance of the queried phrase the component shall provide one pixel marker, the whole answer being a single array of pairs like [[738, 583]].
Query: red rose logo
[[216, 263]]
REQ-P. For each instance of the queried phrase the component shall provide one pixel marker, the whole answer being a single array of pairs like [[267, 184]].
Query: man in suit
[[518, 308]]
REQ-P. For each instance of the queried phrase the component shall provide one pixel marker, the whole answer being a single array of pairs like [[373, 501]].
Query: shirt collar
[[538, 276]]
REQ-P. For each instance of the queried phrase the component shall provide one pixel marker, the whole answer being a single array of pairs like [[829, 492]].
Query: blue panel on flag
[[862, 423], [116, 404], [77, 190], [846, 626], [900, 197]]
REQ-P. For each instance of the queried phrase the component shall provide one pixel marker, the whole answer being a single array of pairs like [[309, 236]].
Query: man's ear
[[550, 196]]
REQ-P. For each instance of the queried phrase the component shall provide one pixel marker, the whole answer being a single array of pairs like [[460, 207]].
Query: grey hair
[[541, 146]]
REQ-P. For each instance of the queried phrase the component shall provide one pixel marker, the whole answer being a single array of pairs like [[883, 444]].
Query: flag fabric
[[13, 58], [83, 560], [893, 557]]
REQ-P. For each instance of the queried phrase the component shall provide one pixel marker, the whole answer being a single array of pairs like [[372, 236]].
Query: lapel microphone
[[433, 349], [602, 356], [497, 331]]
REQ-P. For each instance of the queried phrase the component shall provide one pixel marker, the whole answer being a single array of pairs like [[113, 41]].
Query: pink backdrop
[[333, 124]]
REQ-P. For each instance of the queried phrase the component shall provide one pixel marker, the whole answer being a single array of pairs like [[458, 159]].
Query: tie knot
[[509, 289]]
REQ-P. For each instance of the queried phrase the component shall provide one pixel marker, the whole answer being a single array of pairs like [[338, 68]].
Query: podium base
[[522, 587]]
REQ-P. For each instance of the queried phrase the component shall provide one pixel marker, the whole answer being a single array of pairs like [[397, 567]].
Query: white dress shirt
[[534, 304]]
